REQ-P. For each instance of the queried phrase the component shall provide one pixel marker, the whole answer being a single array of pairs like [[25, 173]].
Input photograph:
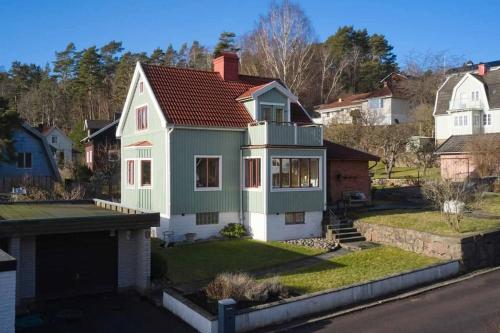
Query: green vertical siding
[[185, 145], [154, 198]]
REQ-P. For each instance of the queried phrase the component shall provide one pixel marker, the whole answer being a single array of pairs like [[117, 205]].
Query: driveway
[[121, 313], [472, 305]]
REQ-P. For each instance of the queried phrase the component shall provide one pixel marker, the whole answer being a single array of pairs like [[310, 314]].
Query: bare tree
[[332, 70], [423, 153], [485, 150], [389, 142], [106, 166], [284, 39]]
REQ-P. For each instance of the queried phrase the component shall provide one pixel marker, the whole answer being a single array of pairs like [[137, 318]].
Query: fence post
[[226, 322]]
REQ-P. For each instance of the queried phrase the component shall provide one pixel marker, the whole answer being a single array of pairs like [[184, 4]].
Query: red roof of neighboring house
[[346, 101], [140, 144], [202, 98], [334, 151]]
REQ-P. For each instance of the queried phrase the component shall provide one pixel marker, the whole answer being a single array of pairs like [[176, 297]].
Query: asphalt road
[[472, 305]]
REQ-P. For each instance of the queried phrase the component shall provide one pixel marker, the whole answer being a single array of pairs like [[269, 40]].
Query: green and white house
[[210, 148]]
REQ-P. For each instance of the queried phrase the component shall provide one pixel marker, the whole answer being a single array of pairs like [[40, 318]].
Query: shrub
[[233, 230], [243, 287]]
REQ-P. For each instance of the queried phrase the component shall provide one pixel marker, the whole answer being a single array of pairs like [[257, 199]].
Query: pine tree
[[157, 57], [170, 58], [9, 121], [226, 42]]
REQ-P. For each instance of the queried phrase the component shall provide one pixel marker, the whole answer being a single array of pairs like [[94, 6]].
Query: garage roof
[[36, 218]]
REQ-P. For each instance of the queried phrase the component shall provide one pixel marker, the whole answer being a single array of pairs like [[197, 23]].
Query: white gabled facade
[[468, 110]]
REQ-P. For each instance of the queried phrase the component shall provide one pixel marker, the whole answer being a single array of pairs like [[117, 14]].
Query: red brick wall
[[347, 176]]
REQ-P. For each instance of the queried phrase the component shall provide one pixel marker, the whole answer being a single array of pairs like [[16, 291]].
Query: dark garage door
[[76, 264]]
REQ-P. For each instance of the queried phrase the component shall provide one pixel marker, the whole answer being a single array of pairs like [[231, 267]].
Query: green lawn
[[404, 172], [427, 221], [491, 203], [356, 267], [200, 261]]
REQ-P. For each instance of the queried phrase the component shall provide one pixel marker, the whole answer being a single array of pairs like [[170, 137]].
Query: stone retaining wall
[[474, 251]]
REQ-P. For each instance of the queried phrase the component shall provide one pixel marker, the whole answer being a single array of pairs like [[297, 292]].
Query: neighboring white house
[[468, 102], [62, 145], [385, 106]]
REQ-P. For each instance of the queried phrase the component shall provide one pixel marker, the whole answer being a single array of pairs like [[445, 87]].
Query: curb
[[386, 300]]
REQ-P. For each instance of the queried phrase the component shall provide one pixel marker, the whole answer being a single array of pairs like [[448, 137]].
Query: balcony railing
[[273, 133], [466, 104]]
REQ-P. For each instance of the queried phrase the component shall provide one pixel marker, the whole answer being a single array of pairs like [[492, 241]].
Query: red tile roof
[[140, 144], [250, 91], [201, 98], [346, 101]]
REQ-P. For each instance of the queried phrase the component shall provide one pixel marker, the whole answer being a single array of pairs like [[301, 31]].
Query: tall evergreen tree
[[157, 57], [170, 58], [227, 42], [9, 121]]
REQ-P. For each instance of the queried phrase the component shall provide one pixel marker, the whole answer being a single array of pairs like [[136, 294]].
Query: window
[[455, 121], [295, 172], [207, 218], [89, 156], [267, 112], [208, 172], [295, 218], [24, 160], [252, 172], [460, 121], [145, 173], [141, 87], [486, 119], [54, 139], [271, 112], [142, 118], [477, 120], [130, 173], [377, 103], [466, 120]]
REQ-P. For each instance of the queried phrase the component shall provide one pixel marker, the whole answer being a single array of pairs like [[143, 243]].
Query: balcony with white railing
[[466, 104], [274, 133]]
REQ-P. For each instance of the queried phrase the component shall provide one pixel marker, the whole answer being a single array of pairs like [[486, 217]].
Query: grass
[[45, 211], [427, 221], [356, 267], [404, 172], [187, 263], [491, 203]]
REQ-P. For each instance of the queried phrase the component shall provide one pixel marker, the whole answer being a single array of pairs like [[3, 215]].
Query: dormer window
[[272, 112], [142, 118]]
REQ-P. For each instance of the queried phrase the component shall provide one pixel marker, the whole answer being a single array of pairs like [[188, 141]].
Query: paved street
[[469, 306]]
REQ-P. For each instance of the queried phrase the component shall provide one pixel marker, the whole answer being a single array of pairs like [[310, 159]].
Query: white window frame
[[136, 108], [297, 189], [129, 186], [252, 189], [487, 119], [206, 189], [139, 175]]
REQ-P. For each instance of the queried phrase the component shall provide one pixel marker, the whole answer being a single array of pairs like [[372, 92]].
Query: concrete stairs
[[340, 229]]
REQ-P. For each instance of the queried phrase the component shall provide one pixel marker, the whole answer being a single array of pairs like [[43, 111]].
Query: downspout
[[241, 187], [168, 179]]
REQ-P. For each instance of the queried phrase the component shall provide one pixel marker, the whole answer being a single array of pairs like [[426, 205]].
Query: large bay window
[[295, 172], [252, 172], [208, 172]]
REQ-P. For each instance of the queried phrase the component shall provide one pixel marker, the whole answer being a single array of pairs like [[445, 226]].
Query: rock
[[317, 243]]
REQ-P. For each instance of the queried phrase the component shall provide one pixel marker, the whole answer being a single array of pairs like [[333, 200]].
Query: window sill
[[295, 189], [253, 189], [207, 189]]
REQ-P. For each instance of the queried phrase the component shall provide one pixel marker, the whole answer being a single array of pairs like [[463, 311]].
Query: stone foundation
[[480, 250]]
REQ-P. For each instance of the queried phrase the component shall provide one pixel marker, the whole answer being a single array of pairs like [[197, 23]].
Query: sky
[[32, 30]]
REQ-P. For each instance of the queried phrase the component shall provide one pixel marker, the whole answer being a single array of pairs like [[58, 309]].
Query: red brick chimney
[[482, 69], [227, 64]]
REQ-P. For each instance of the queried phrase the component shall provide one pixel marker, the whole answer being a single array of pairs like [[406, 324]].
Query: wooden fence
[[7, 182]]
